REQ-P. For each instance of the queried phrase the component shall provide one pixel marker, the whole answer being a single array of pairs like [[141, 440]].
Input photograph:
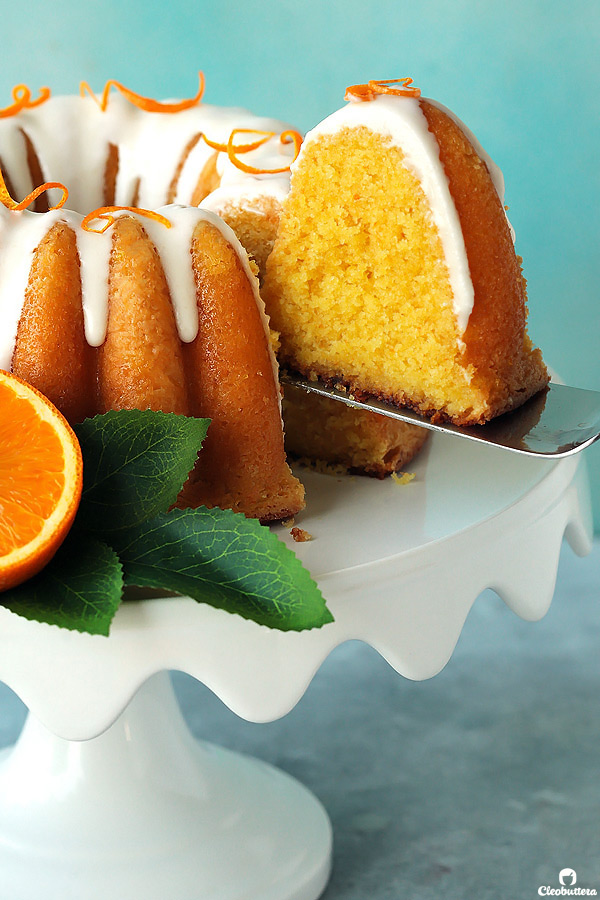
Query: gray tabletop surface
[[482, 783]]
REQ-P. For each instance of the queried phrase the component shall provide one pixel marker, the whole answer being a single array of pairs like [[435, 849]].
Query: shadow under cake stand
[[106, 793]]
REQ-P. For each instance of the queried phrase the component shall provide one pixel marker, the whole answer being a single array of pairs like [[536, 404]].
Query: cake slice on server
[[394, 271]]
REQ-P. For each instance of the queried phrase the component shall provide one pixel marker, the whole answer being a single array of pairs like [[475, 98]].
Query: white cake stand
[[107, 794]]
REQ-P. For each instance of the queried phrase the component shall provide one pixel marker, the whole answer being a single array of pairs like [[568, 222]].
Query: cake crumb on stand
[[300, 535], [403, 477]]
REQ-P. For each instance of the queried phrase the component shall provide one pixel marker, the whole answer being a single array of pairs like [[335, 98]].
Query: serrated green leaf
[[80, 588], [135, 464], [224, 559]]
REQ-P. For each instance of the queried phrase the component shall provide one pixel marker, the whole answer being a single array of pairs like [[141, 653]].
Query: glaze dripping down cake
[[106, 320], [122, 302], [393, 272]]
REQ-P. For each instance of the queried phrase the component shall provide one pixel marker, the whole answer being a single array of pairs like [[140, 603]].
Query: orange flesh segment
[[31, 451], [41, 477]]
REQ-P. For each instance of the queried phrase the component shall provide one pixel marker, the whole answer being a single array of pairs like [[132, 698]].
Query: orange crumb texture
[[300, 535], [403, 477]]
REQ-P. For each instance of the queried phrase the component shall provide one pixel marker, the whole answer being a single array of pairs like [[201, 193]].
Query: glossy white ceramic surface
[[146, 812], [400, 566]]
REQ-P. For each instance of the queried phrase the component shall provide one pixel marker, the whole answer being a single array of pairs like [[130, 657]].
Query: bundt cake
[[393, 272], [122, 302], [144, 154]]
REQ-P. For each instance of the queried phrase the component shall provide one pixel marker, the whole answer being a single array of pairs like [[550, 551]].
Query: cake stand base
[[146, 811]]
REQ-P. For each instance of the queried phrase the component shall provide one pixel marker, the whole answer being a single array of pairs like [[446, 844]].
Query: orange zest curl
[[286, 137], [22, 100], [104, 212], [16, 206], [240, 148], [370, 90], [145, 103], [233, 150]]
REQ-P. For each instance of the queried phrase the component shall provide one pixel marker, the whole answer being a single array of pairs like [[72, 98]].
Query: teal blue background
[[523, 74]]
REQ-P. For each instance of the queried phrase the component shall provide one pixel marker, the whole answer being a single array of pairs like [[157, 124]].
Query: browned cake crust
[[51, 351], [140, 362], [225, 374], [496, 341], [234, 386]]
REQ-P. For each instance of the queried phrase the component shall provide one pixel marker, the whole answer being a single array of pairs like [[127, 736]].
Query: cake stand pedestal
[[107, 794], [145, 811]]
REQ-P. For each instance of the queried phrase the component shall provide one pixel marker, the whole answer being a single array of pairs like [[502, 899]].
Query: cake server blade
[[557, 422]]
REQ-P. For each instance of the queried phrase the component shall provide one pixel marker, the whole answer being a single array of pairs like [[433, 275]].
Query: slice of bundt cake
[[394, 271]]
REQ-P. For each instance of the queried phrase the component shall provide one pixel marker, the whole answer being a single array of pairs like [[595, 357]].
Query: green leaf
[[224, 559], [79, 589], [135, 464]]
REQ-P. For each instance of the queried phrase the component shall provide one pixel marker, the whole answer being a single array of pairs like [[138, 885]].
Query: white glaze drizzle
[[248, 191], [22, 232], [249, 196], [402, 122], [71, 137]]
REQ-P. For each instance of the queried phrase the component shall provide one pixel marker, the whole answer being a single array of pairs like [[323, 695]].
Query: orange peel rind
[[17, 206], [240, 148], [105, 213], [371, 89], [234, 150], [145, 103], [22, 100]]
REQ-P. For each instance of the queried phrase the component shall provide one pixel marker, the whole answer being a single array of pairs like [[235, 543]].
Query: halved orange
[[41, 475]]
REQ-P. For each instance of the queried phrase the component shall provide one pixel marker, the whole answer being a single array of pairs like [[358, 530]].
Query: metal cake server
[[557, 422]]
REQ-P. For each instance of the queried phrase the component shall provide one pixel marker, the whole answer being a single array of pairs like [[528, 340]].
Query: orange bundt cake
[[393, 271], [115, 303], [129, 152]]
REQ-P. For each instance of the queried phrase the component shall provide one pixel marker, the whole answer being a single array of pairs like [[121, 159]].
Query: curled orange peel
[[17, 206], [233, 150], [370, 90], [22, 100], [240, 148], [104, 212], [145, 103]]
